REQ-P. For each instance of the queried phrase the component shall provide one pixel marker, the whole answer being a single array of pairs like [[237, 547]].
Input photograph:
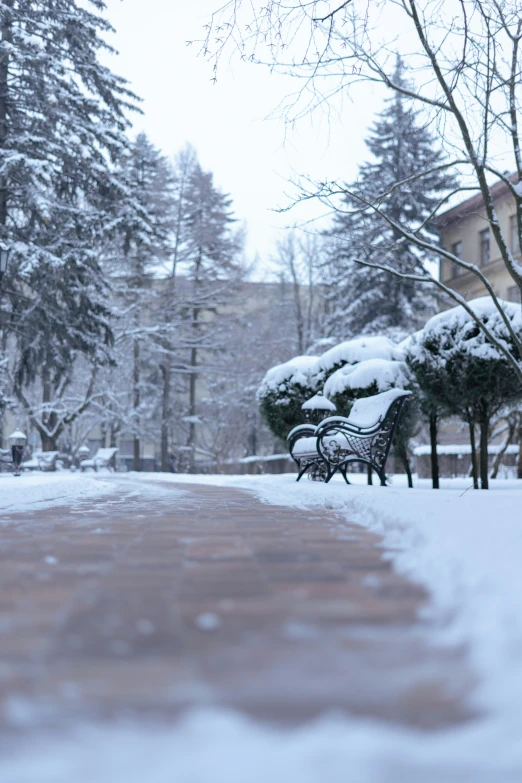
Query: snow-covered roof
[[358, 350], [296, 370], [318, 403], [383, 372]]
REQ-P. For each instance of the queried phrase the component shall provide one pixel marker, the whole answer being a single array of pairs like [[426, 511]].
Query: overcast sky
[[252, 157]]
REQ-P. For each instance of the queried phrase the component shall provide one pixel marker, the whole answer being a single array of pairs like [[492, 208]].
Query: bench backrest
[[370, 411], [104, 455]]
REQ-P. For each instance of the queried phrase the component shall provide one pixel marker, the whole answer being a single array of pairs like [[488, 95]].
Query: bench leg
[[382, 477], [330, 474], [302, 472], [343, 474]]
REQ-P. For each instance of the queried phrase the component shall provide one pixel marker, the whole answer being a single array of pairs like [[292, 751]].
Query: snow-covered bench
[[364, 436], [41, 460], [104, 458], [6, 459]]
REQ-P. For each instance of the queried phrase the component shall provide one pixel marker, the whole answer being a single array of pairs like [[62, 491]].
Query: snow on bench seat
[[305, 446]]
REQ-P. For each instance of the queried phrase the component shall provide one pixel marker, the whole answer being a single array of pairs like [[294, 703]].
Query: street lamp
[[17, 439], [5, 252]]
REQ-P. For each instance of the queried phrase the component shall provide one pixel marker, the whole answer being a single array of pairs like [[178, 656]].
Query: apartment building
[[466, 233]]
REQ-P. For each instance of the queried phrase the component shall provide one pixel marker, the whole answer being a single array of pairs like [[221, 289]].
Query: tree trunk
[[474, 471], [49, 417], [6, 37], [407, 468], [484, 436], [519, 466], [434, 456], [192, 410], [165, 415], [503, 449], [136, 403], [403, 456], [48, 443]]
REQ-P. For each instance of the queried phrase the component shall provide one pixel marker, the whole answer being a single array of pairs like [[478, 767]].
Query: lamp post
[[17, 439]]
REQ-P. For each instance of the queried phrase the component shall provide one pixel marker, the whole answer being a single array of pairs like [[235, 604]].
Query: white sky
[[252, 157]]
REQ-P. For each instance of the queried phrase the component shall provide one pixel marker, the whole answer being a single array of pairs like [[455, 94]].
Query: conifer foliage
[[62, 124], [142, 244], [366, 300]]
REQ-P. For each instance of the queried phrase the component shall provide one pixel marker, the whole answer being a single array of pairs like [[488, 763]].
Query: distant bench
[[41, 460], [104, 458], [364, 436]]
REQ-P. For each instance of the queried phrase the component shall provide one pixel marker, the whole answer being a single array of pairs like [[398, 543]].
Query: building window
[[513, 294], [485, 256], [456, 249], [515, 238]]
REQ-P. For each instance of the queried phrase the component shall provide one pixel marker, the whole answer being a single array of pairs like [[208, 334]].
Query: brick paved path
[[211, 598]]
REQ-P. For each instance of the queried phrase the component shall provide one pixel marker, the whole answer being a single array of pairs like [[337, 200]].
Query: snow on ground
[[465, 546], [219, 746], [30, 492]]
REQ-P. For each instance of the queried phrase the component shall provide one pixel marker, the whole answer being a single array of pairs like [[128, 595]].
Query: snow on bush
[[295, 371], [461, 372], [382, 374], [354, 351], [456, 329], [283, 391]]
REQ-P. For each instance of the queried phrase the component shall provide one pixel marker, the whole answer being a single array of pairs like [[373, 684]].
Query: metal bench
[[41, 460], [104, 458], [364, 436], [6, 460]]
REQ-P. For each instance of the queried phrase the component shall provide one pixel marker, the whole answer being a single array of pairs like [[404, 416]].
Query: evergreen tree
[[208, 249], [62, 123], [143, 231], [370, 301]]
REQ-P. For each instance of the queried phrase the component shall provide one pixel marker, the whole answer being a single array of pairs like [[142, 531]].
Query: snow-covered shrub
[[368, 377], [461, 371], [282, 392], [354, 351]]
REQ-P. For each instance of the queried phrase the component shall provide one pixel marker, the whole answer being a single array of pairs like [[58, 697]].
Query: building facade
[[466, 233]]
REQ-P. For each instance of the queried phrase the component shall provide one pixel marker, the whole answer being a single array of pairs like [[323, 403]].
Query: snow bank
[[358, 350], [219, 746], [386, 374], [30, 492]]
